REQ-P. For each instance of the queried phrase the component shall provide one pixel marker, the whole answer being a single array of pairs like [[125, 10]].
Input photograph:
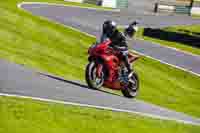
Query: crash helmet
[[109, 27]]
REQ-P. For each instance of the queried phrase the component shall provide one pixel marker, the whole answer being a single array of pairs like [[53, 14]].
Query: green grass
[[25, 115], [53, 48], [67, 3], [195, 16], [188, 30], [48, 47], [169, 87]]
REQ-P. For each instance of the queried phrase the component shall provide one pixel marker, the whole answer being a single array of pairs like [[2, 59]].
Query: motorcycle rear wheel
[[133, 86], [91, 78]]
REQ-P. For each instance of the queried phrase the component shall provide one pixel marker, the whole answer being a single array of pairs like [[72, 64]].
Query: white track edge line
[[56, 4], [50, 20], [163, 62], [186, 70], [100, 107], [173, 48]]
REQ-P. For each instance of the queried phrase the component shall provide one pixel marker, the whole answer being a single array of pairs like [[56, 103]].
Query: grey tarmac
[[90, 21], [15, 79]]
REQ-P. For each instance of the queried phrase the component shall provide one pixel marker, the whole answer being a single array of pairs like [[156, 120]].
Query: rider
[[118, 39]]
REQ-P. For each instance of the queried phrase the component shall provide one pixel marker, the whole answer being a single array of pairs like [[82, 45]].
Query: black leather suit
[[118, 43]]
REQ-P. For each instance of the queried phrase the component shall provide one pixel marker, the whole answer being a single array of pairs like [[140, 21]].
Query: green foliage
[[192, 30]]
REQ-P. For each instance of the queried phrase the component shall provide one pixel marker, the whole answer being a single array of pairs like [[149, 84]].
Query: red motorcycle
[[107, 69]]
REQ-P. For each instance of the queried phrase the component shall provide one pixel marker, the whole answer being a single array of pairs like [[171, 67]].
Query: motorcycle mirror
[[134, 23]]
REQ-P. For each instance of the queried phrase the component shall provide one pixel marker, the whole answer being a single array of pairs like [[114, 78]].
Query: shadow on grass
[[190, 32], [75, 83], [186, 37]]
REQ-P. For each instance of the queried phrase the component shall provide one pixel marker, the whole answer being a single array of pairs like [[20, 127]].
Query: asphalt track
[[90, 21], [16, 79]]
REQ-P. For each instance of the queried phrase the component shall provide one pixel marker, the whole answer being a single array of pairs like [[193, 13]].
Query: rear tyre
[[133, 86], [92, 80]]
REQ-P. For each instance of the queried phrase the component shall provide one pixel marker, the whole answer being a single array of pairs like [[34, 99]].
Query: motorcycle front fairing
[[97, 49]]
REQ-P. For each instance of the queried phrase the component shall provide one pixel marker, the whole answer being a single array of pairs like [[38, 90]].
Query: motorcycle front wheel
[[92, 80], [132, 88]]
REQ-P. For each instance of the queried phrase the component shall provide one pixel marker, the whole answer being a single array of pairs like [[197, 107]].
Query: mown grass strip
[[25, 115], [53, 48], [170, 33]]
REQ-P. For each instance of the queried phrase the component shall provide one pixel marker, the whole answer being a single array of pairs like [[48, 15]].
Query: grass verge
[[25, 115], [67, 3], [53, 48], [175, 36]]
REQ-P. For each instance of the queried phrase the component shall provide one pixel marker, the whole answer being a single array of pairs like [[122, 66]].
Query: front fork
[[99, 70], [99, 66]]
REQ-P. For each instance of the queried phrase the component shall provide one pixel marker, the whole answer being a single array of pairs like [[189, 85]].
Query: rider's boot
[[130, 71], [130, 74]]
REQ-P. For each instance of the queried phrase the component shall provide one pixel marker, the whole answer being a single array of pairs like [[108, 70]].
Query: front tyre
[[132, 88], [92, 80]]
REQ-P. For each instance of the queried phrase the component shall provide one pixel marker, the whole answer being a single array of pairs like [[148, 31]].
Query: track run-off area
[[19, 81]]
